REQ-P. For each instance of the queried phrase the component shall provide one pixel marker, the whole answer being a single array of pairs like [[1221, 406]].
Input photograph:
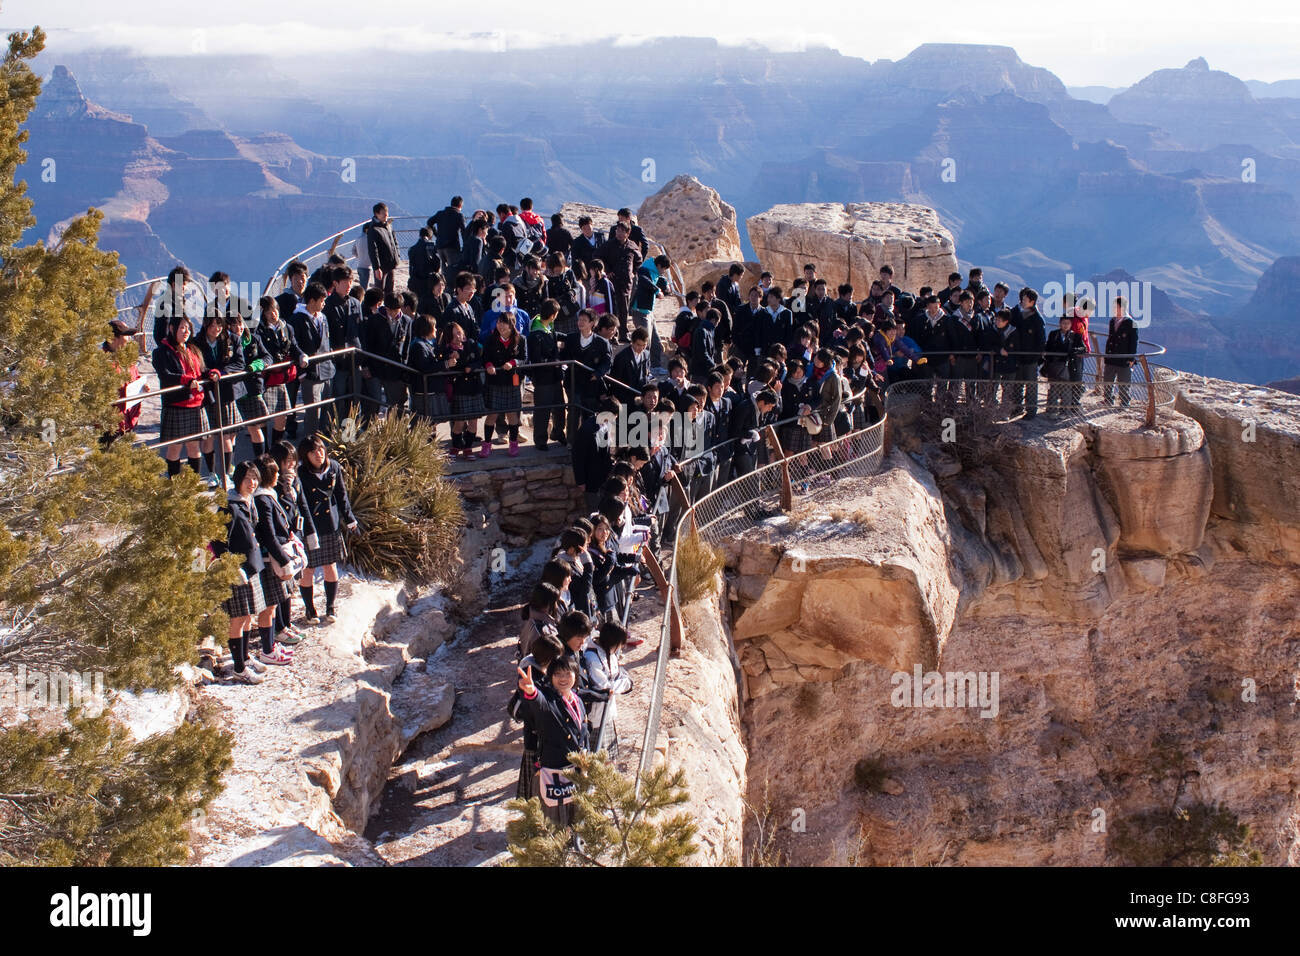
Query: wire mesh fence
[[740, 504]]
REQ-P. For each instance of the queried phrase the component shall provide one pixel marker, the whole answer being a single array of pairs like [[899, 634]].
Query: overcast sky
[[1101, 42]]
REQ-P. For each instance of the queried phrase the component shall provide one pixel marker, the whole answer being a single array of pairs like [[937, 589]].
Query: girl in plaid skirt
[[180, 366], [428, 391], [246, 597], [293, 501], [545, 649], [502, 355], [219, 343], [275, 535], [278, 340], [465, 391], [331, 512], [253, 404]]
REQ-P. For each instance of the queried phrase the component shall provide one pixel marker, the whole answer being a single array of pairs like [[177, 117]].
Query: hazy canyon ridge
[[1189, 180]]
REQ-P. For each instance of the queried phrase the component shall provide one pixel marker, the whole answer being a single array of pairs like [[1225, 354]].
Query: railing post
[[1151, 392], [787, 490], [220, 448], [686, 500]]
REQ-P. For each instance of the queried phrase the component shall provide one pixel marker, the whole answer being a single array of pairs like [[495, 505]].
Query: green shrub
[[409, 515], [613, 824]]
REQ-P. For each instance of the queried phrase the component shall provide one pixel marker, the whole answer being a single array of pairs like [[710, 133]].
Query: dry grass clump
[[409, 515], [698, 567]]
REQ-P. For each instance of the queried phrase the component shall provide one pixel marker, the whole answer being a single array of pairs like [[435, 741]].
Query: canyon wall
[[1134, 593]]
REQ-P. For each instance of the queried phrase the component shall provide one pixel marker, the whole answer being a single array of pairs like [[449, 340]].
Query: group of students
[[571, 640], [288, 513]]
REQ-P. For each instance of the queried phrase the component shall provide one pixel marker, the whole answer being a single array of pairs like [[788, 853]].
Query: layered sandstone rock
[[700, 733], [692, 222], [1254, 439], [1122, 584], [851, 243]]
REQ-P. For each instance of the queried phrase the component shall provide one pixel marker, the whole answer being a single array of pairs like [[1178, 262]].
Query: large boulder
[[850, 243], [692, 222]]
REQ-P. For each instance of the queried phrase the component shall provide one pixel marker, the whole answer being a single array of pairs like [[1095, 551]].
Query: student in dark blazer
[[560, 720], [587, 380], [631, 366], [276, 537], [331, 513], [246, 598], [389, 336], [312, 333]]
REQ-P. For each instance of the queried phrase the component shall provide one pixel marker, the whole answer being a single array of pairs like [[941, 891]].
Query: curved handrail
[[861, 450], [864, 449]]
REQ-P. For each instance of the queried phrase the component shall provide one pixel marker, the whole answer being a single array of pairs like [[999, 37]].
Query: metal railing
[[775, 487], [731, 508]]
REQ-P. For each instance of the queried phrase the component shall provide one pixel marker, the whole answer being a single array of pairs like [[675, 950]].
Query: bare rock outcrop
[[851, 242], [692, 222], [1125, 596], [1254, 439], [314, 744], [699, 732]]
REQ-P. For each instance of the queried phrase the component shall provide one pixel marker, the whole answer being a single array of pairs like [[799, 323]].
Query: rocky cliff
[[854, 241], [1099, 621]]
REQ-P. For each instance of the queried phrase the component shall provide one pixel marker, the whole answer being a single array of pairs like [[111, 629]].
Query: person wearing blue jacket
[[503, 303]]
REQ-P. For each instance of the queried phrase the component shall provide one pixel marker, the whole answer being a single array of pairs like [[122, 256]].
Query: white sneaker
[[255, 664], [248, 676], [277, 656]]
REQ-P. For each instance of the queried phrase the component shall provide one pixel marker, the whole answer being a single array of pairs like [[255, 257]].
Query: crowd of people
[[499, 302]]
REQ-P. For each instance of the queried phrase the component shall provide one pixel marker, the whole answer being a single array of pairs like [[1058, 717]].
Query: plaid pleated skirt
[[182, 422], [229, 415], [794, 438], [331, 550], [273, 589], [504, 398], [252, 406], [276, 400], [245, 599], [466, 406], [431, 405], [527, 787]]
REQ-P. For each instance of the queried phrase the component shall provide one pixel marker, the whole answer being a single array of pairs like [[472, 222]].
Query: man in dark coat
[[1030, 339], [343, 316], [621, 260], [425, 265], [381, 244], [448, 226]]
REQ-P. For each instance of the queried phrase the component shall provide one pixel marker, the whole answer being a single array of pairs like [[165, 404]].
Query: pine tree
[[613, 826], [102, 561]]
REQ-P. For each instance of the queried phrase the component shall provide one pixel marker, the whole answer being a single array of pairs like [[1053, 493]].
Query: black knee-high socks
[[173, 468], [331, 589], [267, 636], [514, 433], [238, 651], [488, 429], [194, 464], [308, 602]]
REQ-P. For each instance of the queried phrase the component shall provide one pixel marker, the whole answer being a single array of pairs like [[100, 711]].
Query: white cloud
[[1106, 42]]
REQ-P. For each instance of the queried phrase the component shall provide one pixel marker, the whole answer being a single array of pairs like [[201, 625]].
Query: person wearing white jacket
[[605, 674]]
